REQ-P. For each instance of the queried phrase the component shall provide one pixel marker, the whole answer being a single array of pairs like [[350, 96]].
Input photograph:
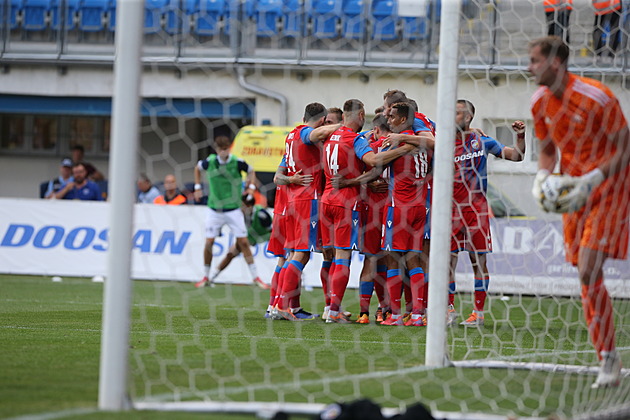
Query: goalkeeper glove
[[583, 187], [537, 193]]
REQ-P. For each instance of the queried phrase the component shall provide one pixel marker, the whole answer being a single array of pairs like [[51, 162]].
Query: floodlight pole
[[441, 201], [112, 390]]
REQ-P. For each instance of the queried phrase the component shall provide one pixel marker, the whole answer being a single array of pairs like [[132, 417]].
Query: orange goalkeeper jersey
[[579, 123]]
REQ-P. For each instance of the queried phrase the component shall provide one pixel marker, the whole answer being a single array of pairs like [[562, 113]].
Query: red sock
[[408, 296], [426, 292], [274, 285], [291, 286], [598, 307], [379, 286], [481, 291], [394, 288], [366, 289], [281, 281], [417, 290], [339, 281], [324, 276]]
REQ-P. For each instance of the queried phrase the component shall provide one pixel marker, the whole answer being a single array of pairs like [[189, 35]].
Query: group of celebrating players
[[340, 189]]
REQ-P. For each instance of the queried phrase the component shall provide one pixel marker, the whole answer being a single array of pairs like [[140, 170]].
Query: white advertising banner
[[70, 238]]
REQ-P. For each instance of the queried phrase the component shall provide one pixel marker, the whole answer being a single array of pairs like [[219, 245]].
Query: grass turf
[[214, 344]]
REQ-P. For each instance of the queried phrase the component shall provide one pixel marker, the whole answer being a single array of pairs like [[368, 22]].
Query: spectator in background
[[81, 188], [558, 13], [78, 156], [607, 17], [148, 192], [334, 116], [65, 176], [171, 195]]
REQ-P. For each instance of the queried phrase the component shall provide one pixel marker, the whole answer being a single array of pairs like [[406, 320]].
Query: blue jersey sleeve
[[361, 146], [492, 146], [283, 162], [419, 125], [305, 134]]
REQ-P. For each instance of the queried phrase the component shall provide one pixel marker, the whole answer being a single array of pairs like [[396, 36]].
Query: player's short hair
[[393, 96], [248, 199], [380, 121], [222, 142], [352, 106], [403, 109], [379, 110], [469, 106], [413, 104], [552, 46], [314, 111], [144, 178], [337, 111]]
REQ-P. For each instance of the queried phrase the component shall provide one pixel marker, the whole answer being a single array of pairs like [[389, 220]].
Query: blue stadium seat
[[294, 17], [352, 20], [14, 11], [209, 17], [35, 14], [415, 28], [72, 8], [173, 23], [153, 10], [385, 15], [266, 14], [325, 15], [92, 15]]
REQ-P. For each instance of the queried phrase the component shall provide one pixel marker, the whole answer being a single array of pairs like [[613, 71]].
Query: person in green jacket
[[225, 188]]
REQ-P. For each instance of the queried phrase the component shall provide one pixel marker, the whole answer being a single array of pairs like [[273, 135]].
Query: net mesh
[[531, 358]]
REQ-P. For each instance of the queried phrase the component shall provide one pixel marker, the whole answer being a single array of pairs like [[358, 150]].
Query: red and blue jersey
[[422, 123], [406, 178], [281, 199], [470, 181], [301, 154], [343, 152]]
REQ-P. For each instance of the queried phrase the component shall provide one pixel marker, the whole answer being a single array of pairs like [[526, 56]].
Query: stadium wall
[[499, 100]]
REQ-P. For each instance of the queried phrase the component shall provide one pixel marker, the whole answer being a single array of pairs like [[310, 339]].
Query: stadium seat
[[92, 15], [414, 28], [14, 13], [35, 14], [210, 13], [385, 15], [293, 17], [104, 187], [325, 15], [173, 22], [266, 14], [352, 20], [43, 186], [153, 10], [71, 10]]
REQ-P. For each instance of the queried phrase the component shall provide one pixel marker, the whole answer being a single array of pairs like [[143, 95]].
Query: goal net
[[251, 67]]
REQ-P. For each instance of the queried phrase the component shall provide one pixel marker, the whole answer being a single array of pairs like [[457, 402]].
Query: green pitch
[[213, 344]]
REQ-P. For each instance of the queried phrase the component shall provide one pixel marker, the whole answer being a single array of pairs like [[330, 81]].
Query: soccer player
[[404, 220], [303, 157], [225, 188], [471, 213], [583, 118], [334, 116], [345, 154], [258, 222]]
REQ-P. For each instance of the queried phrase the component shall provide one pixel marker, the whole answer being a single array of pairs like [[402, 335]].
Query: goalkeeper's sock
[[274, 284], [394, 287], [451, 292], [339, 281], [417, 290], [293, 272], [366, 288], [598, 307], [481, 291], [324, 276], [379, 285]]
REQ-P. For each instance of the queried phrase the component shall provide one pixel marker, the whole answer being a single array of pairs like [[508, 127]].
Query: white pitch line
[[56, 414]]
